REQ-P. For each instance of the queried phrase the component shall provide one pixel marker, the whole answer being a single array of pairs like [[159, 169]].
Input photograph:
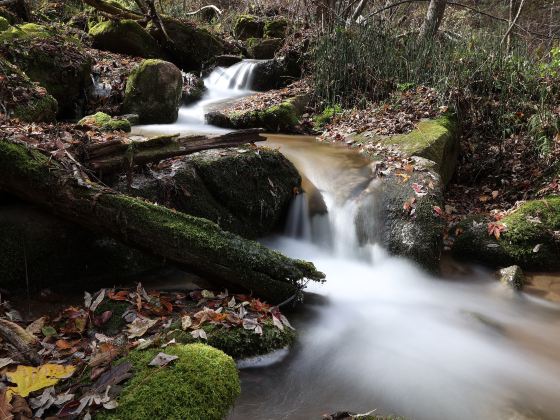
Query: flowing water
[[381, 333]]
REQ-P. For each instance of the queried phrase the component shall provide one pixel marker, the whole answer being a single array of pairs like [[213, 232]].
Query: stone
[[243, 190], [276, 28], [263, 48], [512, 277], [125, 37], [31, 102], [193, 88], [248, 26], [530, 238], [105, 122], [153, 91], [67, 77]]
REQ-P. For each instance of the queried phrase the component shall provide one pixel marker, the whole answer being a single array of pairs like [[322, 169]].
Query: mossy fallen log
[[192, 242]]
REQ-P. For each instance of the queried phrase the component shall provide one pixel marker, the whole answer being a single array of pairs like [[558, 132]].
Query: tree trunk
[[191, 242], [120, 155], [434, 17]]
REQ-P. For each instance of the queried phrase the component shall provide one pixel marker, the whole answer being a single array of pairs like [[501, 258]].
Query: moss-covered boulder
[[530, 237], [280, 118], [263, 48], [192, 45], [193, 88], [23, 98], [153, 91], [125, 37], [276, 28], [4, 24], [248, 26], [244, 190], [105, 122], [52, 59], [436, 140], [47, 251], [202, 383]]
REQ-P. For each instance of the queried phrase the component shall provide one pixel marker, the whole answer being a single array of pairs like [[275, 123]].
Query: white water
[[387, 336], [380, 333], [222, 85]]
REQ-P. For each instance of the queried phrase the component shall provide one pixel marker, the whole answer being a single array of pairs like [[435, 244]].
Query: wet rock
[[31, 102], [282, 117], [268, 75], [125, 37], [105, 122], [529, 238], [46, 251], [263, 48], [248, 26], [512, 277], [193, 88], [52, 59], [193, 46], [153, 91], [220, 61], [244, 190]]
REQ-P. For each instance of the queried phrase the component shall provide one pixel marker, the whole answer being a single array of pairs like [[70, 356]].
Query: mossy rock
[[153, 91], [531, 239], [4, 24], [280, 118], [193, 45], [193, 88], [512, 277], [436, 140], [248, 26], [202, 383], [263, 48], [105, 122], [52, 59], [125, 37], [31, 102], [245, 191], [276, 28], [51, 252], [239, 343]]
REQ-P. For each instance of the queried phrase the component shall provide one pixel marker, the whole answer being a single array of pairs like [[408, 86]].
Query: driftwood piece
[[121, 155], [197, 244], [21, 340]]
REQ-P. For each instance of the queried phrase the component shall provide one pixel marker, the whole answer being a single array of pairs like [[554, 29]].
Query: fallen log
[[121, 155], [188, 241]]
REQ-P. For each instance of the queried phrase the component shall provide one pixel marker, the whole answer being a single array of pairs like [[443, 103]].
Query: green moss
[[238, 342], [105, 122], [125, 37], [435, 140], [248, 26], [530, 239], [275, 28], [38, 110], [280, 117], [326, 116], [116, 323], [4, 24], [201, 385], [263, 49]]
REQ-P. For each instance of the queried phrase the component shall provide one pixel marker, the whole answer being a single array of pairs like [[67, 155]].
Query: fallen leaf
[[29, 379], [162, 359], [5, 406], [5, 361], [36, 326], [140, 326], [186, 322], [277, 323], [200, 333]]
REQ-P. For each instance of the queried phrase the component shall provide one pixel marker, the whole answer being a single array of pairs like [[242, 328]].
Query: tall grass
[[485, 84]]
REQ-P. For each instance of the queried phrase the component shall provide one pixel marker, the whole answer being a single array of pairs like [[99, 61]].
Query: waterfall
[[222, 85]]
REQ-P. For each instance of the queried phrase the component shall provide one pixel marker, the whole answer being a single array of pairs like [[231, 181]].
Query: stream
[[381, 334]]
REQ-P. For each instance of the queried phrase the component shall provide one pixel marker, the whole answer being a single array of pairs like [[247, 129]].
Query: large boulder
[[269, 74], [125, 37], [24, 99], [54, 60], [244, 190], [248, 26], [192, 45], [43, 251], [276, 28], [153, 91], [263, 48], [529, 237], [411, 202]]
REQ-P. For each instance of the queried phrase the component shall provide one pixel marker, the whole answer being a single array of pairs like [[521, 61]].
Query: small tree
[[434, 17]]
